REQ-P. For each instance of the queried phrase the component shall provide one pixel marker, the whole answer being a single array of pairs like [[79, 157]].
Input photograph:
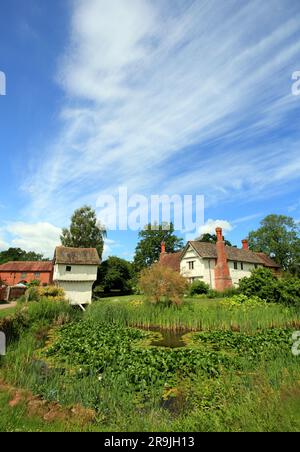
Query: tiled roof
[[26, 266], [76, 256], [268, 262], [209, 250], [171, 260]]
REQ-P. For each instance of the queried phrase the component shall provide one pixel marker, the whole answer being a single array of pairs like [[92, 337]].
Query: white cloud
[[147, 79], [294, 207], [38, 237], [108, 248], [247, 218], [3, 245], [210, 227]]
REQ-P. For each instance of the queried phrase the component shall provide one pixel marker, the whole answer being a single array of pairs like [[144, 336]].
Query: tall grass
[[193, 315]]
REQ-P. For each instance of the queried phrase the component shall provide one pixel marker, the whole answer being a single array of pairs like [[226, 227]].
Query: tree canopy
[[85, 231], [279, 237], [17, 254], [115, 274], [211, 238], [149, 246]]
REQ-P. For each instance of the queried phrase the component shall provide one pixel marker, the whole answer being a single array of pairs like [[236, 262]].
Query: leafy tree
[[17, 254], [85, 231], [115, 274], [161, 284], [149, 247], [211, 238], [278, 237]]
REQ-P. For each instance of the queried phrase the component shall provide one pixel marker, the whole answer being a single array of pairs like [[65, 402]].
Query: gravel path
[[7, 306]]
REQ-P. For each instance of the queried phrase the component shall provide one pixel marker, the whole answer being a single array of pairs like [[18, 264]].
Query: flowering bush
[[51, 293], [160, 283]]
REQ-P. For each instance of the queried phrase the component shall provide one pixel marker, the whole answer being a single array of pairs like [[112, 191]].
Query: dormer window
[[68, 268]]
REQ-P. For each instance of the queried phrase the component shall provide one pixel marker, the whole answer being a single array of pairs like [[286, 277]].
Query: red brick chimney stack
[[163, 248], [245, 244], [219, 234], [222, 274]]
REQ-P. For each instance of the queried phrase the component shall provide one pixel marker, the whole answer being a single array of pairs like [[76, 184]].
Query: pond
[[169, 338]]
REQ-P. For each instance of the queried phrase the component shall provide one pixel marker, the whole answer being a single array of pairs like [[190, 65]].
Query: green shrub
[[34, 283], [228, 293], [198, 288], [289, 290], [212, 293], [263, 284], [13, 325], [242, 300], [32, 294], [231, 292]]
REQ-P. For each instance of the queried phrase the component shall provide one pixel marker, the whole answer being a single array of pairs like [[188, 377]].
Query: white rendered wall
[[77, 292], [77, 273], [238, 274], [203, 268], [76, 283]]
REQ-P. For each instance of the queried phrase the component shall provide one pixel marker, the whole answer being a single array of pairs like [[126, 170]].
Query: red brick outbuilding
[[13, 273]]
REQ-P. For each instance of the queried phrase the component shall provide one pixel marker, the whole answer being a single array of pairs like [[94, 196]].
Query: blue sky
[[160, 96]]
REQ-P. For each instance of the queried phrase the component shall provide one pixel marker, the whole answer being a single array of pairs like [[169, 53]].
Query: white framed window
[[68, 268], [191, 265]]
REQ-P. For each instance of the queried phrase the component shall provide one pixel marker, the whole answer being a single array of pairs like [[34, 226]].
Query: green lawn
[[237, 373], [6, 312]]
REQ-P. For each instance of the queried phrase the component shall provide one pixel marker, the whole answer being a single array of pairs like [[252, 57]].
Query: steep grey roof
[[209, 251], [76, 256]]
